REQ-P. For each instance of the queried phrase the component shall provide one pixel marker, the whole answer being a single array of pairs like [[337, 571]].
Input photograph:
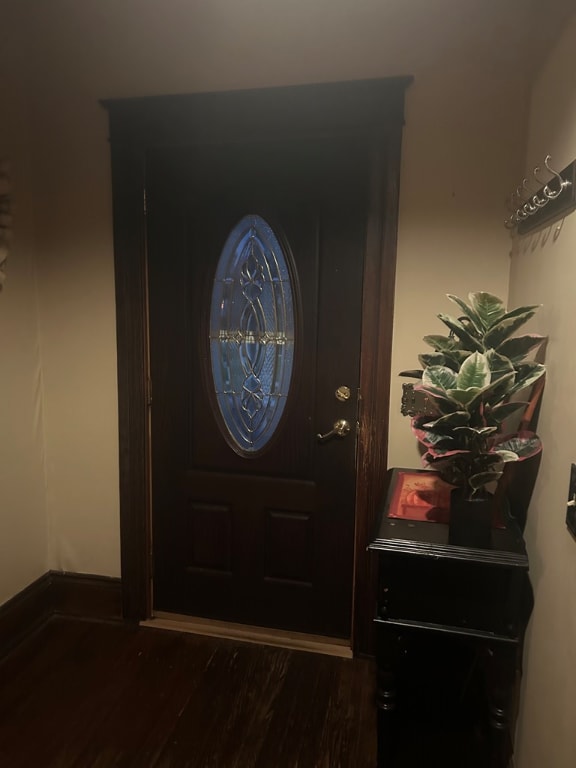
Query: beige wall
[[544, 271], [457, 165], [456, 161], [23, 522]]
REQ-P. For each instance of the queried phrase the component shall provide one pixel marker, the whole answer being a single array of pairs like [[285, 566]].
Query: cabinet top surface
[[418, 537]]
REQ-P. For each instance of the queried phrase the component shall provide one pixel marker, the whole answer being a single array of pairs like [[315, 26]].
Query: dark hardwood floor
[[90, 695]]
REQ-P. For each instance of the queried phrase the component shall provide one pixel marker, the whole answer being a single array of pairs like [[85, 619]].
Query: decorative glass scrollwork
[[252, 334]]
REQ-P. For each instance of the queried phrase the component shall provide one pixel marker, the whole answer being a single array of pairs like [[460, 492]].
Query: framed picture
[[419, 495]]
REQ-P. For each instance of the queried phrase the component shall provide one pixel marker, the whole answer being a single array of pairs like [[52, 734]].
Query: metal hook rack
[[532, 208]]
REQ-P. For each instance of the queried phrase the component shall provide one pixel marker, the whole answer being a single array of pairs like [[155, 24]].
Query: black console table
[[449, 630]]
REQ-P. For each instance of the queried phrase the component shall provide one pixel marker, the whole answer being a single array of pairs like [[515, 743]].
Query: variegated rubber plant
[[469, 380]]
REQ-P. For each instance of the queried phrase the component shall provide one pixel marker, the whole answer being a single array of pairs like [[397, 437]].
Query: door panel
[[265, 539]]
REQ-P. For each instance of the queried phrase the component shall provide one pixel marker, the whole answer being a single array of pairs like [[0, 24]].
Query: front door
[[255, 260]]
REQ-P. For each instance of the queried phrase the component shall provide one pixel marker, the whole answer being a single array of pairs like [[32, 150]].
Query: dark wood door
[[263, 538]]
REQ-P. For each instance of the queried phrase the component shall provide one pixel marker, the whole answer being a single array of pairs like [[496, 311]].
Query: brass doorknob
[[340, 428]]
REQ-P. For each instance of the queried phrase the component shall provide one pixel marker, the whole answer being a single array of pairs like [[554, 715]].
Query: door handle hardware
[[340, 429]]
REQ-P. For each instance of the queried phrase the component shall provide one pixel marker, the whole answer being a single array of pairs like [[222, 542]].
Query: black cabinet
[[449, 627]]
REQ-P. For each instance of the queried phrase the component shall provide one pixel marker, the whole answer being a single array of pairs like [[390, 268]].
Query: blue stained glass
[[252, 333]]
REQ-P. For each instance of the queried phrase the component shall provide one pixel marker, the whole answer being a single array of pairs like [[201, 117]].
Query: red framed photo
[[419, 495]]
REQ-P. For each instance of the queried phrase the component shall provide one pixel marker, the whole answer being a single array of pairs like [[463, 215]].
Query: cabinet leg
[[501, 676], [386, 719]]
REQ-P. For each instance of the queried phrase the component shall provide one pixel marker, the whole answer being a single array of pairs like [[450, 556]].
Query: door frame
[[372, 110]]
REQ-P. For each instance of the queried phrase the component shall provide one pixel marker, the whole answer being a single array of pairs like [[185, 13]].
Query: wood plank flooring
[[89, 695]]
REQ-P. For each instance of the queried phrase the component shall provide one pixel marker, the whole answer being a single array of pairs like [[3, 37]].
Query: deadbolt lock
[[343, 393]]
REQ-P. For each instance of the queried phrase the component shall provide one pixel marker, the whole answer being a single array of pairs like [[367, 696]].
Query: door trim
[[371, 110]]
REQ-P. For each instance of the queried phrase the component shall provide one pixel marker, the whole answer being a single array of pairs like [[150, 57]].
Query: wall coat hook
[[553, 199]]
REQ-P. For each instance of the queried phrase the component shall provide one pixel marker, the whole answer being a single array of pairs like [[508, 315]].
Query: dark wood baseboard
[[86, 596], [58, 593], [24, 613]]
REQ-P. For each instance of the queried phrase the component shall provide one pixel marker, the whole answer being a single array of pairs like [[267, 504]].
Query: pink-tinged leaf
[[438, 453], [456, 419], [429, 439], [524, 444], [472, 431]]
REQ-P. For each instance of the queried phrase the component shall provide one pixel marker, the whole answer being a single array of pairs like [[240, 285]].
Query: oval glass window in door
[[252, 334]]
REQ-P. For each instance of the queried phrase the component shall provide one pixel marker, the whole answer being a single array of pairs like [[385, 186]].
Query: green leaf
[[507, 456], [524, 445], [454, 361], [517, 348], [440, 399], [473, 431], [521, 311], [439, 377], [449, 454], [499, 365], [439, 395], [500, 413], [459, 355], [463, 396], [468, 311], [484, 478], [440, 343], [431, 439], [446, 404], [456, 419], [431, 358], [469, 341], [494, 392], [526, 375], [490, 309], [506, 327], [414, 374], [474, 373], [488, 460]]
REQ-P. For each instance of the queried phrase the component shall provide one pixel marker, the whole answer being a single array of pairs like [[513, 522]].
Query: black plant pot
[[470, 520]]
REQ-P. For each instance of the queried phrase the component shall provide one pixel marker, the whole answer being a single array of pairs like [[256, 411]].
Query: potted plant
[[465, 392]]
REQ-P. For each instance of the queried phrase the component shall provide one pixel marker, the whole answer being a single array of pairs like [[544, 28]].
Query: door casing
[[370, 109]]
